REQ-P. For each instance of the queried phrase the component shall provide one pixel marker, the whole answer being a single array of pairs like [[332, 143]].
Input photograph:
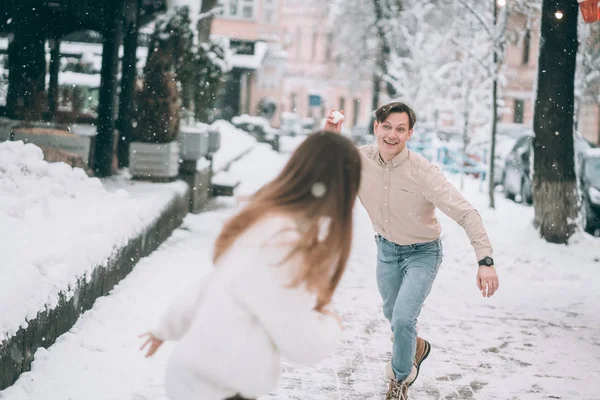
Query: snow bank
[[234, 143], [261, 158], [57, 225]]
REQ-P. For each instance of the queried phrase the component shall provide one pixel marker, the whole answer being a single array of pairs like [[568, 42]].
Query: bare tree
[[374, 24]]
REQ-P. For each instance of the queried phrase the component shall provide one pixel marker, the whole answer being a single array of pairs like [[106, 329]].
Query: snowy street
[[131, 131], [537, 338]]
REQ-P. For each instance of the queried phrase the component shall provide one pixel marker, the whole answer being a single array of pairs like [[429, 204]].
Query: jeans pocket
[[428, 246]]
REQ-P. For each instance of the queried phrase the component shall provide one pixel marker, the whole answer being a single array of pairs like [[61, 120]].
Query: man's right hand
[[331, 126]]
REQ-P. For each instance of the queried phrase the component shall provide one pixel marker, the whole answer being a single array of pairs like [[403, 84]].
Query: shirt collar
[[396, 161]]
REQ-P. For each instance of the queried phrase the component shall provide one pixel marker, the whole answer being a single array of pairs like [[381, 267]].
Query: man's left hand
[[487, 281]]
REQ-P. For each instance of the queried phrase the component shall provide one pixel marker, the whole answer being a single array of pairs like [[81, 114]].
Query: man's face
[[392, 135]]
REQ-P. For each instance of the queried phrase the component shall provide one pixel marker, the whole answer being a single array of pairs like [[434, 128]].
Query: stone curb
[[16, 353]]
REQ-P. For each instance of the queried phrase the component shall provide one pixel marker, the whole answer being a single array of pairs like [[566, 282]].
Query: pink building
[[520, 69], [291, 67]]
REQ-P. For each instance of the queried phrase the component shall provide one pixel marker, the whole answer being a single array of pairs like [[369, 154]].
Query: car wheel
[[507, 193], [519, 195], [587, 224], [526, 194]]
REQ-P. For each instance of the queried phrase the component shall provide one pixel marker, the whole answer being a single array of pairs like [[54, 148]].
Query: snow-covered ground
[[537, 338], [57, 224]]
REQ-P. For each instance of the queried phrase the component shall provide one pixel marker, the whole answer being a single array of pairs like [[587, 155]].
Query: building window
[[293, 102], [355, 111], [269, 11], [329, 46], [519, 111], [268, 16], [526, 48], [243, 9], [315, 38], [298, 43]]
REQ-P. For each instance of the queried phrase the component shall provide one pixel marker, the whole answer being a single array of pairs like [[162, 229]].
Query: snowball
[[337, 117]]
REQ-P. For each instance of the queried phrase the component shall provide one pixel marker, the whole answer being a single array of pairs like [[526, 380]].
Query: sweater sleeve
[[301, 334], [178, 317], [442, 194]]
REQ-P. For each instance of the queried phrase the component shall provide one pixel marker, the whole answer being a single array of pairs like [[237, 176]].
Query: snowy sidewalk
[[538, 338]]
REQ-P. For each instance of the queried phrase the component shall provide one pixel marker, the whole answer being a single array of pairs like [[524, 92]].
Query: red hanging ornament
[[590, 9]]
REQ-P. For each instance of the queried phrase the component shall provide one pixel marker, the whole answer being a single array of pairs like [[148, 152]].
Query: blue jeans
[[405, 275]]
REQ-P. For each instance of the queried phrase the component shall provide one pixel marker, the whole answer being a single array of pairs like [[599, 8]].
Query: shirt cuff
[[482, 253]]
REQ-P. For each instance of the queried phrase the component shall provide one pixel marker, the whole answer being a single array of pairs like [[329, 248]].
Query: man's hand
[[154, 343], [487, 281], [331, 126]]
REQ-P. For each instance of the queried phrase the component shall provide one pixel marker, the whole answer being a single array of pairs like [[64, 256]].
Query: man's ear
[[410, 133], [375, 125]]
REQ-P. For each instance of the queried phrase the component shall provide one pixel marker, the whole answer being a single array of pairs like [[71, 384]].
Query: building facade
[[285, 66], [294, 75], [520, 71]]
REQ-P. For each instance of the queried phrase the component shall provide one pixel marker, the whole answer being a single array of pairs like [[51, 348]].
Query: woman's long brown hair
[[325, 160]]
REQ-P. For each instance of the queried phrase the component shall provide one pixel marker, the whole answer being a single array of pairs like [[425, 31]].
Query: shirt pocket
[[406, 199]]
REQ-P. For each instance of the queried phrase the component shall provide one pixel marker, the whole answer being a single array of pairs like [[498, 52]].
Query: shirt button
[[385, 204], [385, 188], [386, 220]]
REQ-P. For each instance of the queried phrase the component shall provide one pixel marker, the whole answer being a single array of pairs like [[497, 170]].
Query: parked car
[[590, 190], [291, 124], [517, 174], [506, 137], [258, 127]]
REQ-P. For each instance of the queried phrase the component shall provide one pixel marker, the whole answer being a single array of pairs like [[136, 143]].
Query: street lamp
[[558, 14], [501, 3]]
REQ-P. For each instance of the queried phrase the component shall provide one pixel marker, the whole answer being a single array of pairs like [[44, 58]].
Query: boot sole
[[427, 351]]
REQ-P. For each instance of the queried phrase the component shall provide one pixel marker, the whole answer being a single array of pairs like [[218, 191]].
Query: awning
[[251, 61]]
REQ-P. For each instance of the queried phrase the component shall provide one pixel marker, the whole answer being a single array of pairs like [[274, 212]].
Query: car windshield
[[592, 167]]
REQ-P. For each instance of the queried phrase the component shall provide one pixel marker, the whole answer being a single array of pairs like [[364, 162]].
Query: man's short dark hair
[[396, 107]]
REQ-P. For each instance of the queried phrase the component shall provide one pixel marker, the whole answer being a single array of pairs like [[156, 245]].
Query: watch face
[[489, 261]]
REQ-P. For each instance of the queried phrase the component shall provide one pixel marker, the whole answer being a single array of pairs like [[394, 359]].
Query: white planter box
[[193, 142], [6, 126], [152, 160], [214, 141], [73, 143]]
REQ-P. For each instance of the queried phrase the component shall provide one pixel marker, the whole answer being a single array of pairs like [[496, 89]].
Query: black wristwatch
[[486, 261]]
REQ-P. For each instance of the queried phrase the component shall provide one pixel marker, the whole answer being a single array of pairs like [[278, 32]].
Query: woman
[[277, 263]]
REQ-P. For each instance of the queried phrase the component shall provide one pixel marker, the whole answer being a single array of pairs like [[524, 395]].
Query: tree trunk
[[554, 179], [382, 22], [205, 24], [105, 162], [465, 136], [126, 98], [491, 178], [26, 96], [376, 90], [53, 72]]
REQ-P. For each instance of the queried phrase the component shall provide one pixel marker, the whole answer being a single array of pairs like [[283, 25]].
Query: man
[[400, 191]]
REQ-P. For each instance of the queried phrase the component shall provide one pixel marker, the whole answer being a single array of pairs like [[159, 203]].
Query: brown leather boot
[[397, 391], [423, 350]]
